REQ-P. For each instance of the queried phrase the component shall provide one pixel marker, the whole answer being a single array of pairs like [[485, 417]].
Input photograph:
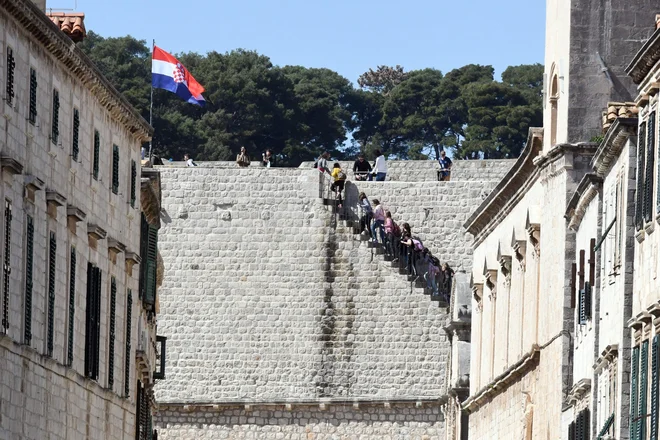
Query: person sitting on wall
[[361, 168], [380, 168], [188, 160], [445, 167], [267, 159], [242, 159]]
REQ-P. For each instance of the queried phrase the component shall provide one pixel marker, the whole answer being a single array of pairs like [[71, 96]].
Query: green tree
[[383, 79]]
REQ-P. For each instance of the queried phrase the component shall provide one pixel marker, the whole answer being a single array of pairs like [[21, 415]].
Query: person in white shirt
[[380, 168], [189, 161]]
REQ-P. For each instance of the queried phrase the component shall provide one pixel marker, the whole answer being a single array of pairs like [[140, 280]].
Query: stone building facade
[[300, 329], [72, 352], [549, 354]]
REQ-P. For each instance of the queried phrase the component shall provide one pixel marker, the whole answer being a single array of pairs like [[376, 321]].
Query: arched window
[[554, 97]]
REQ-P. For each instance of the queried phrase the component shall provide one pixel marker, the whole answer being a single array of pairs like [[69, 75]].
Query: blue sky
[[343, 35]]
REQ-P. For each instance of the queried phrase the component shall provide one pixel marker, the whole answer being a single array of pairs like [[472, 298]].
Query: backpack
[[417, 243], [396, 230], [341, 175]]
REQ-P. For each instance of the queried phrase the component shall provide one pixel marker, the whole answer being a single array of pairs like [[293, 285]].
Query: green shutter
[[127, 358], [587, 301], [643, 390], [133, 182], [55, 122], [93, 321], [97, 337], [582, 315], [76, 133], [29, 251], [152, 258], [579, 426], [654, 388], [33, 97], [72, 305], [144, 246], [650, 168], [6, 267], [52, 258], [9, 88], [571, 431], [97, 151], [115, 169], [639, 192], [634, 390], [111, 342]]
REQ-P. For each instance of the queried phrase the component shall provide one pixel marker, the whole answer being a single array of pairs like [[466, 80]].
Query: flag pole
[[151, 103]]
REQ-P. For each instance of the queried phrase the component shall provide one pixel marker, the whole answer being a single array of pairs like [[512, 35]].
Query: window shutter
[[573, 284], [579, 425], [654, 388], [571, 431], [52, 258], [115, 169], [6, 267], [97, 151], [582, 315], [152, 256], [74, 136], [133, 182], [127, 358], [97, 341], [650, 168], [33, 97], [29, 251], [144, 246], [111, 336], [586, 416], [89, 320], [639, 191], [643, 390], [55, 122], [634, 393], [72, 305], [581, 272], [93, 322], [587, 301], [11, 64], [592, 261]]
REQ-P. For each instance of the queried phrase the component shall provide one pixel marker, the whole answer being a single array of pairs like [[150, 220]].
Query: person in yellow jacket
[[340, 178]]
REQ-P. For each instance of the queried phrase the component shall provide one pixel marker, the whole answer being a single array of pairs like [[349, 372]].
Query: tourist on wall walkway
[[361, 168], [380, 168], [187, 159], [242, 159], [445, 167], [379, 221], [267, 159], [337, 186]]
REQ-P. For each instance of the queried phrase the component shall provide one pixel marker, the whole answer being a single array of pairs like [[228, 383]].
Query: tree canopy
[[298, 112]]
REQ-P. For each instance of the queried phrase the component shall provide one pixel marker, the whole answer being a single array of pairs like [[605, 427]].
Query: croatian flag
[[169, 74]]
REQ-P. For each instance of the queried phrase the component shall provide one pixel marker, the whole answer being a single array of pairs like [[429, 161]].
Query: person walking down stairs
[[367, 214], [379, 221]]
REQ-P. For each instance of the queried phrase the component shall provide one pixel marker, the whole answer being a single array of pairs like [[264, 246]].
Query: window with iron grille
[[52, 258], [29, 264], [111, 335], [6, 267], [127, 357], [74, 135], [639, 192], [115, 169], [11, 65], [650, 167], [33, 97], [55, 121], [133, 182], [97, 151], [72, 305], [93, 321]]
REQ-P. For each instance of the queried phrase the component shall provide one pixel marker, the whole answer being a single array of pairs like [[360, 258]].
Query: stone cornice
[[578, 392], [504, 380], [645, 59], [560, 150], [608, 355], [585, 192], [508, 192], [614, 141], [55, 42]]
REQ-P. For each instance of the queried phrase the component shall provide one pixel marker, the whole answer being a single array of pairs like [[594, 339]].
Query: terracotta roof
[[71, 23]]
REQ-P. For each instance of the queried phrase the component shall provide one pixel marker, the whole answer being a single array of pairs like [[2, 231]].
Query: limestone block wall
[[264, 299]]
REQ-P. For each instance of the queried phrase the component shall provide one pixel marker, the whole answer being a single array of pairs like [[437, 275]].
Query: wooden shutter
[[571, 431], [6, 267], [52, 258], [634, 390], [115, 169], [72, 305], [581, 272], [111, 334], [649, 168], [97, 152], [152, 257], [133, 182], [573, 283], [654, 388], [97, 341], [55, 121], [32, 118], [582, 308], [579, 426], [639, 191], [144, 246], [29, 264], [89, 320], [75, 135], [9, 87], [93, 321], [643, 390], [587, 300], [592, 261], [586, 418], [127, 357]]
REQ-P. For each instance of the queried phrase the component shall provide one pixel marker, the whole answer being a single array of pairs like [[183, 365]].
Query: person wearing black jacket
[[361, 168]]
